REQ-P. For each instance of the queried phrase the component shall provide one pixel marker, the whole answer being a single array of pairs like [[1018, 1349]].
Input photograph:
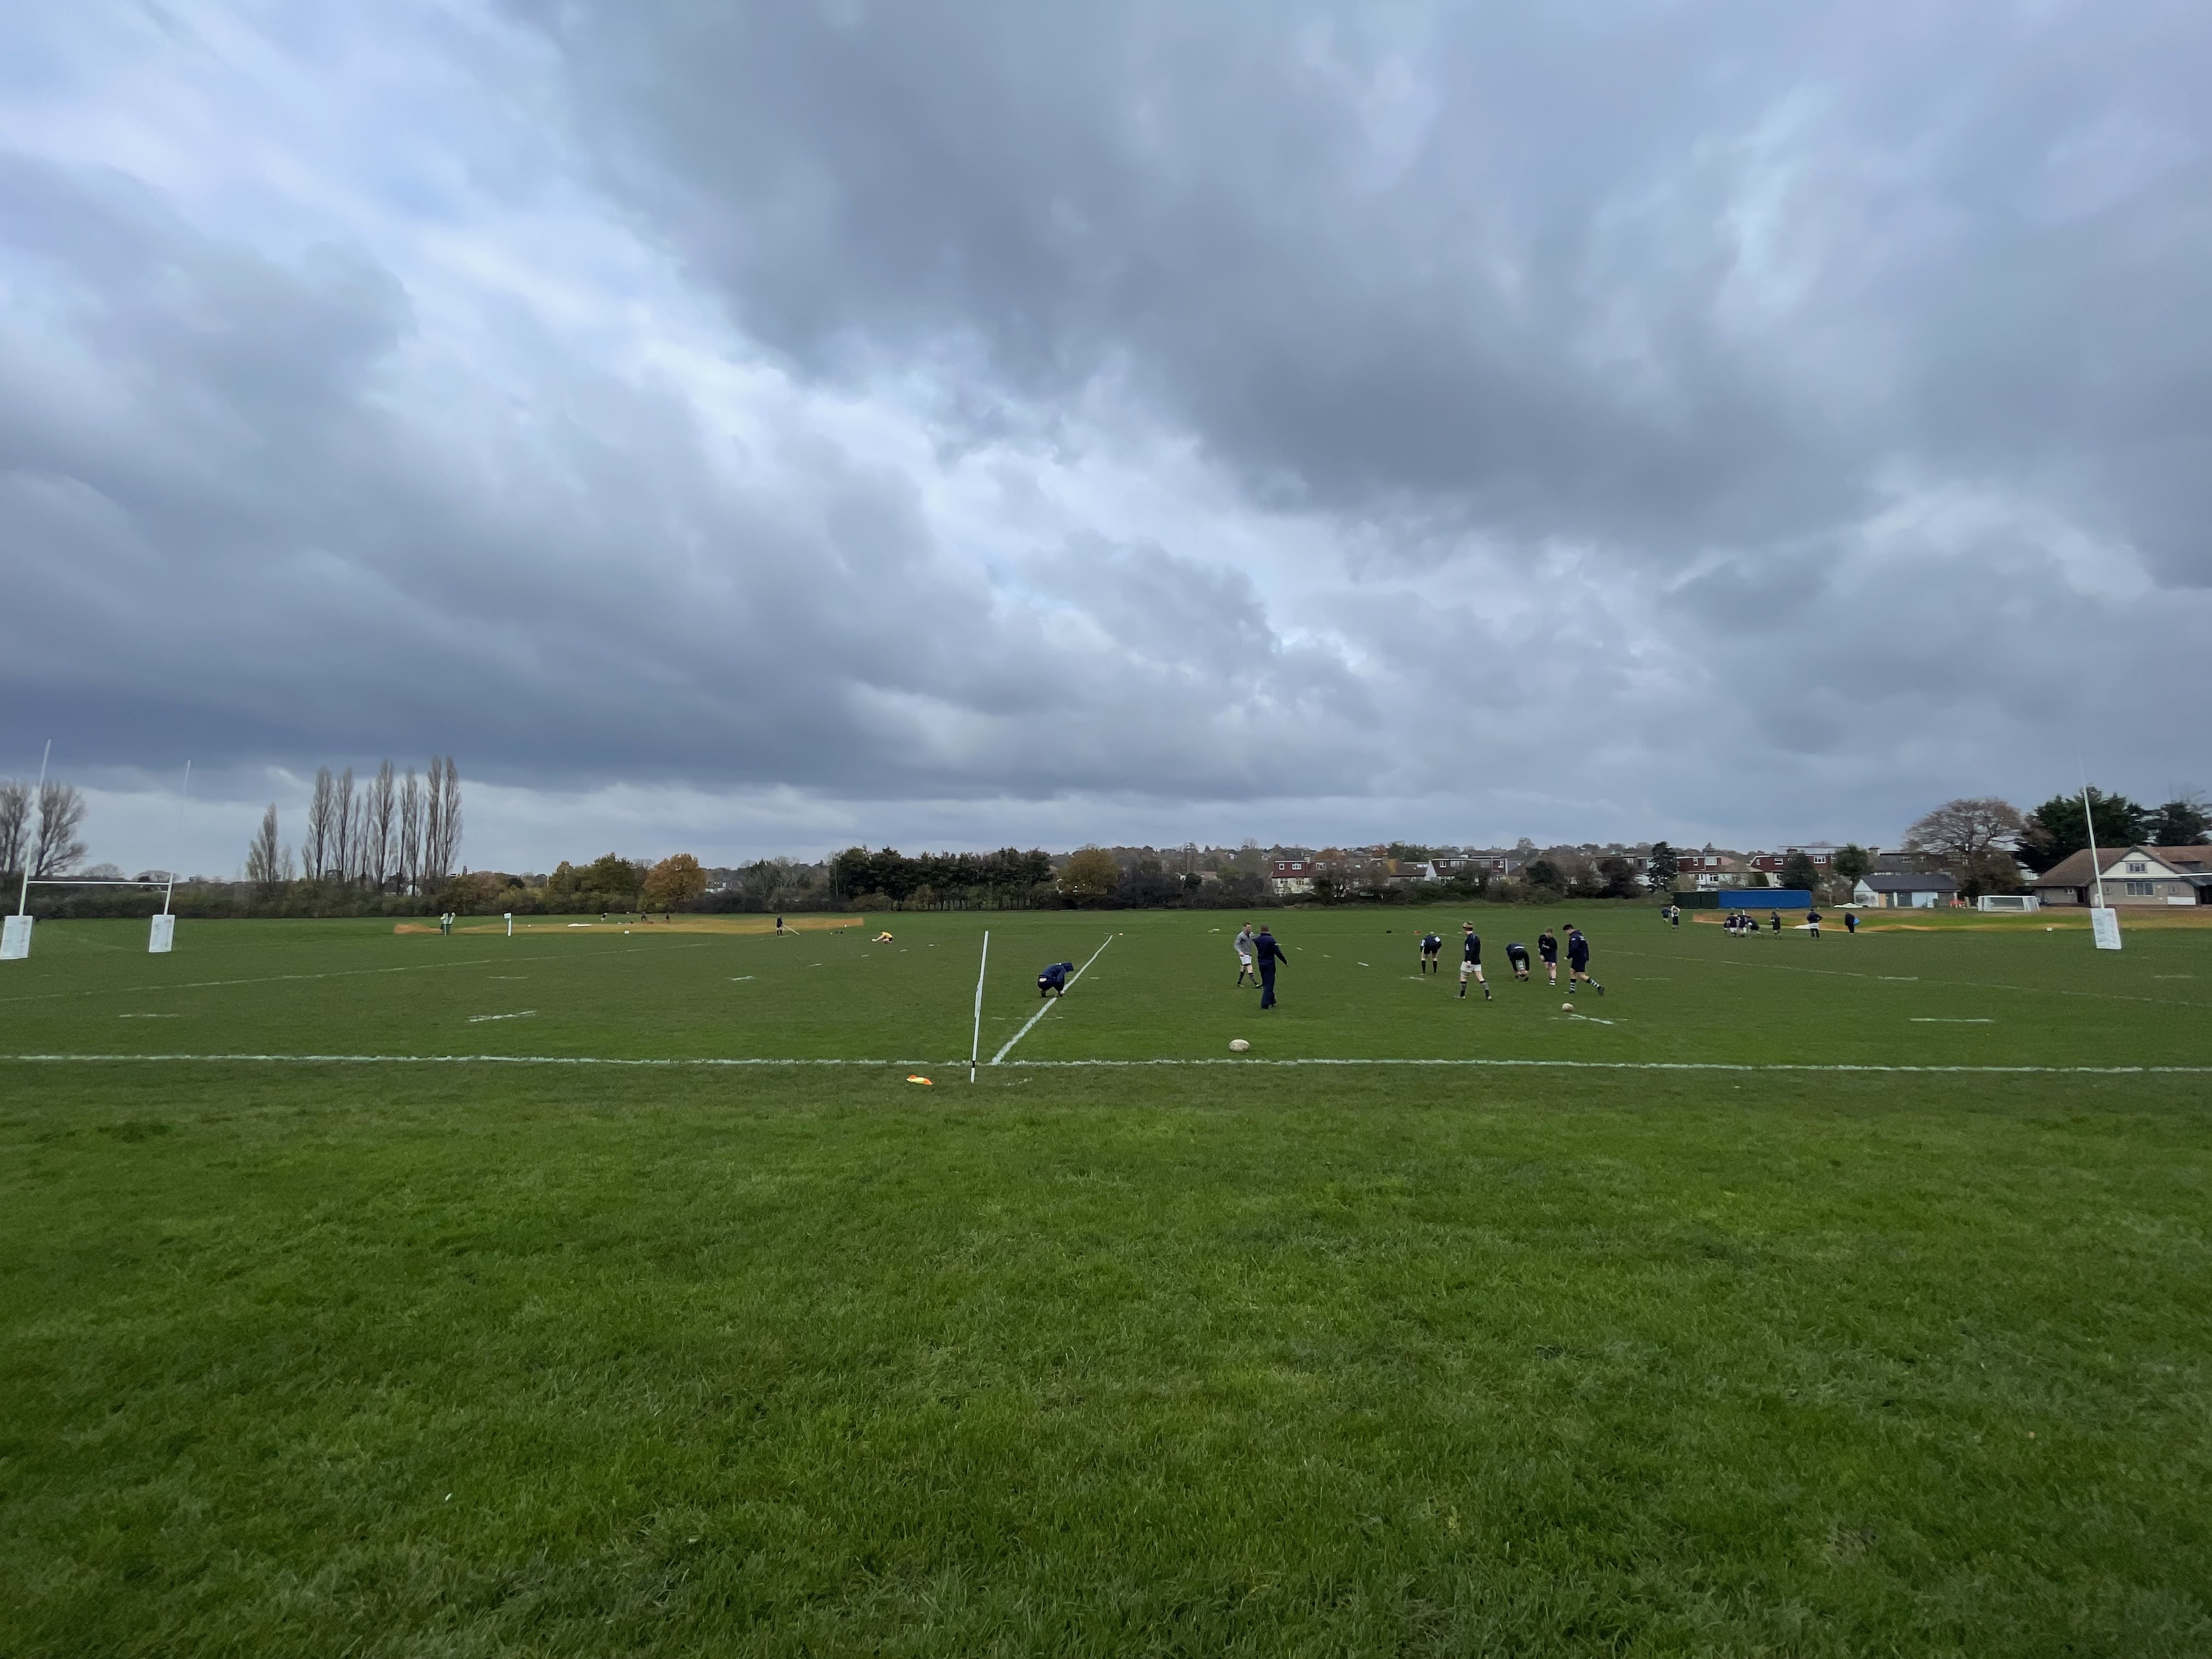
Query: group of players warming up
[[1516, 958], [1260, 955]]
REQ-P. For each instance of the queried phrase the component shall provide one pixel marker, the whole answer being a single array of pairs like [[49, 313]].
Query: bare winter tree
[[265, 860], [1964, 833], [433, 824], [15, 824], [410, 833], [449, 847], [61, 815], [345, 821], [381, 801], [315, 847]]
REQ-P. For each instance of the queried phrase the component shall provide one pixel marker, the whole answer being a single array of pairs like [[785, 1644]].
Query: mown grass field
[[1550, 1353]]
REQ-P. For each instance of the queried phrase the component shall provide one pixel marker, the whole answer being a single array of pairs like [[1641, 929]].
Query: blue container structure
[[1763, 898]]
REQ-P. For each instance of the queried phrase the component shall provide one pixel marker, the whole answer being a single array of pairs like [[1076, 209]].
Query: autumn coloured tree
[[1091, 874], [672, 882]]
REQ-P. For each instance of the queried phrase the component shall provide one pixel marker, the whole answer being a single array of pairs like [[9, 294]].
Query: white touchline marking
[[1899, 979], [1938, 1019], [1048, 1002], [149, 1015], [741, 978], [478, 1019], [1591, 1019], [686, 1062]]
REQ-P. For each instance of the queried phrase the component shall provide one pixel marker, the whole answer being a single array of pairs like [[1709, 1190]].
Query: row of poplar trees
[[383, 833]]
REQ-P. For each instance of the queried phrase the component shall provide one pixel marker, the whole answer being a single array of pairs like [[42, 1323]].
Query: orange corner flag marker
[[912, 1079]]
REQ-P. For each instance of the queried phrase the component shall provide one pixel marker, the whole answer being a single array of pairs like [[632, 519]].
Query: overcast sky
[[754, 429]]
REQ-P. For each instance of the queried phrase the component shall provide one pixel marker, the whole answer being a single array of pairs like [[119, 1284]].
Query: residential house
[[1901, 890], [2135, 875], [1291, 876], [1708, 870], [1907, 864], [1822, 853]]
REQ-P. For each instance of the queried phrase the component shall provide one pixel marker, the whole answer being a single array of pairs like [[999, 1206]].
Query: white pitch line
[[480, 1019], [1048, 1003], [689, 1062]]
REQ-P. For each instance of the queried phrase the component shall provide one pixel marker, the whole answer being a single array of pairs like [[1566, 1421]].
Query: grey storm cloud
[[1180, 404], [1664, 275], [216, 520]]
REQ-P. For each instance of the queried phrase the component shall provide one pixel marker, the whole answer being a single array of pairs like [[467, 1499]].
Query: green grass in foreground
[[477, 1359]]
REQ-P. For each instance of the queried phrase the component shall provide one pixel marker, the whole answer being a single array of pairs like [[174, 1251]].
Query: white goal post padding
[[15, 938], [2104, 927], [163, 936]]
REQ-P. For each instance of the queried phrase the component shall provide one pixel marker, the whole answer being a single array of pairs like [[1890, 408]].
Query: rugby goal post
[[15, 931], [2104, 921]]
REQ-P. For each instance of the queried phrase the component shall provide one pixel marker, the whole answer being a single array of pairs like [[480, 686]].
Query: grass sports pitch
[[605, 1290]]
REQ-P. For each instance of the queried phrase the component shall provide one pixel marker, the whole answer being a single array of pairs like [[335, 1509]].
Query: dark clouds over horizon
[[982, 422]]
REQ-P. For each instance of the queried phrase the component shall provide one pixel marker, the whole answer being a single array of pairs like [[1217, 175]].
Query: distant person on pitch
[[1244, 948], [1053, 983], [1851, 921], [1775, 917], [1812, 921], [1578, 959], [779, 924], [1432, 949], [1271, 956], [1470, 959], [1548, 949], [1516, 958]]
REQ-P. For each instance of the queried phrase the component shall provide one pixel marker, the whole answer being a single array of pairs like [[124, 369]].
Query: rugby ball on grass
[[1237, 1045]]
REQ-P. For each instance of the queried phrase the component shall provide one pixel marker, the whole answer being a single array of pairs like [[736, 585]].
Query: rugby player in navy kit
[[1470, 960], [1578, 959], [1548, 949], [1516, 958], [1432, 950]]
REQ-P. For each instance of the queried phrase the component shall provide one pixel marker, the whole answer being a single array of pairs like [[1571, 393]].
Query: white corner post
[[2104, 921], [510, 924], [975, 1042]]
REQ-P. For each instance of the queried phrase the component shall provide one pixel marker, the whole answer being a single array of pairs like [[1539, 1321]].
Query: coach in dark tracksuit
[[1269, 953]]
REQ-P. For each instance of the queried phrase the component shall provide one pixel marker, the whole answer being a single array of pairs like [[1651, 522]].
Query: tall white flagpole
[[975, 1042], [187, 790], [2103, 921], [2096, 864], [24, 893]]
